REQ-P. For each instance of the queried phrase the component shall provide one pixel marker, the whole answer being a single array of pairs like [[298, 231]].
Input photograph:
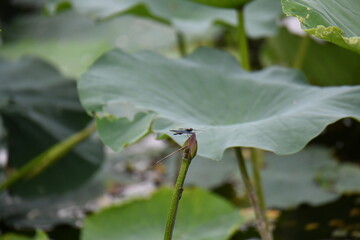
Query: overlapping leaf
[[201, 215], [271, 109], [184, 15], [261, 16], [39, 108], [72, 42], [331, 20]]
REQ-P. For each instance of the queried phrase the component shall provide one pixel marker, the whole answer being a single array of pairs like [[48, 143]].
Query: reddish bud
[[190, 146]]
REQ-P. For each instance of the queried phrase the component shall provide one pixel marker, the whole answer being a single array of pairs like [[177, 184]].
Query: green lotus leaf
[[201, 215], [273, 109], [223, 3], [39, 108], [72, 42], [184, 15], [261, 16], [329, 20]]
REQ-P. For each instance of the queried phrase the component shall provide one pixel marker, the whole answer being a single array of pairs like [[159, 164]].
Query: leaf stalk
[[190, 149], [242, 41], [262, 226], [301, 52], [44, 160], [181, 45], [256, 197], [256, 164]]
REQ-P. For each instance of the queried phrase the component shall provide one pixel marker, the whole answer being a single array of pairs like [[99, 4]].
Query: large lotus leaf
[[40, 108], [184, 15], [262, 17], [201, 215], [331, 20], [338, 66], [73, 42], [271, 109]]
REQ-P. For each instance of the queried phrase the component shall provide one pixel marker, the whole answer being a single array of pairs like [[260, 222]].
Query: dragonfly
[[182, 131]]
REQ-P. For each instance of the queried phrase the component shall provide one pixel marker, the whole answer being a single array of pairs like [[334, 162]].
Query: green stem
[[176, 199], [180, 40], [256, 198], [256, 162], [243, 43], [48, 157], [301, 52], [178, 162], [260, 215]]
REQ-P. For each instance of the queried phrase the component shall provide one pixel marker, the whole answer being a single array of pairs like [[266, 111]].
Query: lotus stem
[[256, 197], [190, 149], [262, 226], [48, 157], [301, 52], [257, 160], [242, 41], [181, 44]]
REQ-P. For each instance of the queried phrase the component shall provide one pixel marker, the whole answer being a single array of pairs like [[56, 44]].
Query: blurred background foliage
[[47, 45]]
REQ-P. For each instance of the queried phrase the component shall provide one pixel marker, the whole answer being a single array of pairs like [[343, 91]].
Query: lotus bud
[[190, 147]]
